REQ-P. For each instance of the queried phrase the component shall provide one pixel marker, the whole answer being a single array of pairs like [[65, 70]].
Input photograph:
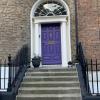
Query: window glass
[[50, 8]]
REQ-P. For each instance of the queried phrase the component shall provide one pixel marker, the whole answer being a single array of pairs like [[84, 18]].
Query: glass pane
[[50, 9]]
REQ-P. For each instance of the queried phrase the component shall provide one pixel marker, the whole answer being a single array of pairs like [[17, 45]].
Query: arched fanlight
[[50, 8]]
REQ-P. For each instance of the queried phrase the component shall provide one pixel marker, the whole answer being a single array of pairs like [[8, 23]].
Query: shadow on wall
[[23, 56]]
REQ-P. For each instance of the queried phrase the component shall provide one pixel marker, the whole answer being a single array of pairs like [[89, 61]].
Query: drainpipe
[[76, 27]]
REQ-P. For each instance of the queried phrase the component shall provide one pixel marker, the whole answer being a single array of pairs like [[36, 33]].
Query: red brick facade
[[15, 26], [89, 26]]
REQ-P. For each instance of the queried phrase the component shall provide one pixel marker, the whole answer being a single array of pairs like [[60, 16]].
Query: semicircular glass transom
[[50, 8]]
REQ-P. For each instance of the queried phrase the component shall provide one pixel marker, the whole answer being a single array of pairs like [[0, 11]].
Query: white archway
[[64, 20]]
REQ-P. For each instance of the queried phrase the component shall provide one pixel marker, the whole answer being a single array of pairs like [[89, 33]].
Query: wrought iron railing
[[91, 73], [3, 75], [15, 68], [82, 61], [9, 72], [12, 72]]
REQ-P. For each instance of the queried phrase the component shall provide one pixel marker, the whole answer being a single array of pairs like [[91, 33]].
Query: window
[[50, 8]]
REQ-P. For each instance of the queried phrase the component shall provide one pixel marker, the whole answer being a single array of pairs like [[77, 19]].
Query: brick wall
[[88, 28], [15, 25]]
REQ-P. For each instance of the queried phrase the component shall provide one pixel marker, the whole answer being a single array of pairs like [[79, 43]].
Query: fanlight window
[[50, 8]]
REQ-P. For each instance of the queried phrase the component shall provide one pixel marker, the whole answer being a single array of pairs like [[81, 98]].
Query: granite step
[[50, 78], [49, 90], [62, 73], [49, 97], [50, 84]]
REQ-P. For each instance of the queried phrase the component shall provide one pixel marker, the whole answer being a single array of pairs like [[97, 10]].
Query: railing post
[[87, 76], [92, 76], [0, 73], [97, 77], [9, 77]]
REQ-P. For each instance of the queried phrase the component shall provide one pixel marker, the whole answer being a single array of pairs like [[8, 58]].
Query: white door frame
[[64, 20]]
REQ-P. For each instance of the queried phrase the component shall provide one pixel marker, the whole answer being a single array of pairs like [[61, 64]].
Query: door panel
[[51, 43]]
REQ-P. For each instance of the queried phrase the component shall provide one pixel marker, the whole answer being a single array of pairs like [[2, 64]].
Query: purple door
[[51, 44]]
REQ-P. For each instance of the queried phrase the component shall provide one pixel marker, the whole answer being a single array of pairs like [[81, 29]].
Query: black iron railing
[[12, 72], [15, 68], [82, 61], [9, 72], [91, 73], [3, 75]]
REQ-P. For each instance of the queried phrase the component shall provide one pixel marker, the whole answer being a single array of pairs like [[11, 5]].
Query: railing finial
[[9, 65]]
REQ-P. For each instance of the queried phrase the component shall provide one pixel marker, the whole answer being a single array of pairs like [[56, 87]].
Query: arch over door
[[51, 43]]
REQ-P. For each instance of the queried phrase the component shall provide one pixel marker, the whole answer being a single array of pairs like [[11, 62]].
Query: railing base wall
[[91, 98], [7, 96]]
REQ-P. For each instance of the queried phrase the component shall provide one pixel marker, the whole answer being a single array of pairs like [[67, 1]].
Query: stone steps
[[49, 97], [51, 69], [63, 73], [50, 78], [50, 84], [49, 90]]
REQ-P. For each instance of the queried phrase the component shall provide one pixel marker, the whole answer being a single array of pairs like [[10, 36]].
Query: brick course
[[88, 28], [15, 25]]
